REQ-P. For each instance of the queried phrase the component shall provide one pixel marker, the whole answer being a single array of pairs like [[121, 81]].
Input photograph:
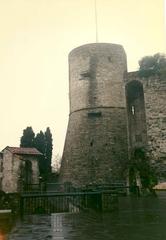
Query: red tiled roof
[[22, 151]]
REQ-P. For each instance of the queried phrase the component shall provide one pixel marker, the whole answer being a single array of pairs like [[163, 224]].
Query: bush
[[153, 65]]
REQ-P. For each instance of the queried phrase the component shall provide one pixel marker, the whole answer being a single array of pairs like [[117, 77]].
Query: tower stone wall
[[96, 146], [153, 137]]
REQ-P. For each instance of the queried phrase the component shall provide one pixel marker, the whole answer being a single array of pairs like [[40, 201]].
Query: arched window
[[136, 114]]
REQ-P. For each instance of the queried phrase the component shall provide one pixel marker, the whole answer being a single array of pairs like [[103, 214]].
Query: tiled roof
[[24, 151]]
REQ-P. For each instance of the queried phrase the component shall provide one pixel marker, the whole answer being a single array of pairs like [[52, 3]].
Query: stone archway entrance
[[136, 115], [28, 172], [26, 175]]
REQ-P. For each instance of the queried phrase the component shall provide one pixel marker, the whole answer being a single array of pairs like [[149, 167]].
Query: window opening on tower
[[94, 114], [133, 110], [91, 143], [109, 59], [85, 75]]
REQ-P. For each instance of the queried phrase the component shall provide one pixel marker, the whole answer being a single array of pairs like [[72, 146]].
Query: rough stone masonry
[[96, 147], [112, 113]]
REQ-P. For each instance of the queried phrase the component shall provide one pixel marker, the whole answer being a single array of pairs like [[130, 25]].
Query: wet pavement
[[137, 219]]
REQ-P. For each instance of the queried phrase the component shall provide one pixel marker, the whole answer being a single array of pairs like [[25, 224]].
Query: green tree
[[48, 148], [153, 65], [27, 140], [140, 164], [39, 143], [43, 143]]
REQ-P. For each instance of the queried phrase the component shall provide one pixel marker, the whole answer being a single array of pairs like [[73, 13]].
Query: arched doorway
[[28, 172], [136, 115], [25, 178]]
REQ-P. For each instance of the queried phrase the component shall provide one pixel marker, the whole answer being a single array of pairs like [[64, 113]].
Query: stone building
[[18, 167], [96, 148], [112, 114], [146, 99]]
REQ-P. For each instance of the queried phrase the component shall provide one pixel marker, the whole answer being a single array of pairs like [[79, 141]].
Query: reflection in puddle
[[137, 219]]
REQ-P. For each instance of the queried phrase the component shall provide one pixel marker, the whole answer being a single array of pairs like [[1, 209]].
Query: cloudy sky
[[35, 39]]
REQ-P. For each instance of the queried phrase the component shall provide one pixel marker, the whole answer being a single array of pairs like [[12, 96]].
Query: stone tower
[[96, 148]]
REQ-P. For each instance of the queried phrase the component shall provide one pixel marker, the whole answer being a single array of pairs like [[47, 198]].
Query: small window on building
[[91, 143], [109, 59], [85, 75], [133, 110], [94, 114]]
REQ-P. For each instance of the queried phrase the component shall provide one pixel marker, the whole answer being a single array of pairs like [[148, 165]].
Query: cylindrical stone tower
[[95, 148]]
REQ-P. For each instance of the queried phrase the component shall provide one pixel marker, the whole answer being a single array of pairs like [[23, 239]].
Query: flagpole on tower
[[96, 23]]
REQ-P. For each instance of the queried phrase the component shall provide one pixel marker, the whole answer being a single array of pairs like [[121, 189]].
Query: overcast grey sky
[[35, 39]]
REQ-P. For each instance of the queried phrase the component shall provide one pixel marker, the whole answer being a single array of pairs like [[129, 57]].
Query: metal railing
[[118, 187], [47, 203], [55, 197]]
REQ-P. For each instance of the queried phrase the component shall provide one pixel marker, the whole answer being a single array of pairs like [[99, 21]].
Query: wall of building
[[96, 141], [97, 152], [14, 171], [10, 168], [96, 76], [155, 109]]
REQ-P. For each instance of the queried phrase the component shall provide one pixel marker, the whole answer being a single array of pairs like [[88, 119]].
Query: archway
[[28, 172], [136, 115]]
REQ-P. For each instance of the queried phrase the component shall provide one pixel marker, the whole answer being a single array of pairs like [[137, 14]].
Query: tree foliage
[[140, 165], [39, 142], [27, 139], [48, 148], [153, 65], [43, 142]]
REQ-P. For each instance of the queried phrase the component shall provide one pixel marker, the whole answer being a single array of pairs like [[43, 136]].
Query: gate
[[56, 198], [47, 203]]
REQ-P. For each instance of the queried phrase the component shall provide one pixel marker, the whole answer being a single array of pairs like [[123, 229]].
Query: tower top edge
[[96, 46]]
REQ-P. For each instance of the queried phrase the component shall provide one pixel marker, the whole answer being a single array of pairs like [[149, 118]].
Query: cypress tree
[[48, 148], [39, 143], [27, 140], [43, 142]]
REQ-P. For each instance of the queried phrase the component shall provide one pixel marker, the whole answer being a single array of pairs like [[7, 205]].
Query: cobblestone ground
[[137, 219]]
